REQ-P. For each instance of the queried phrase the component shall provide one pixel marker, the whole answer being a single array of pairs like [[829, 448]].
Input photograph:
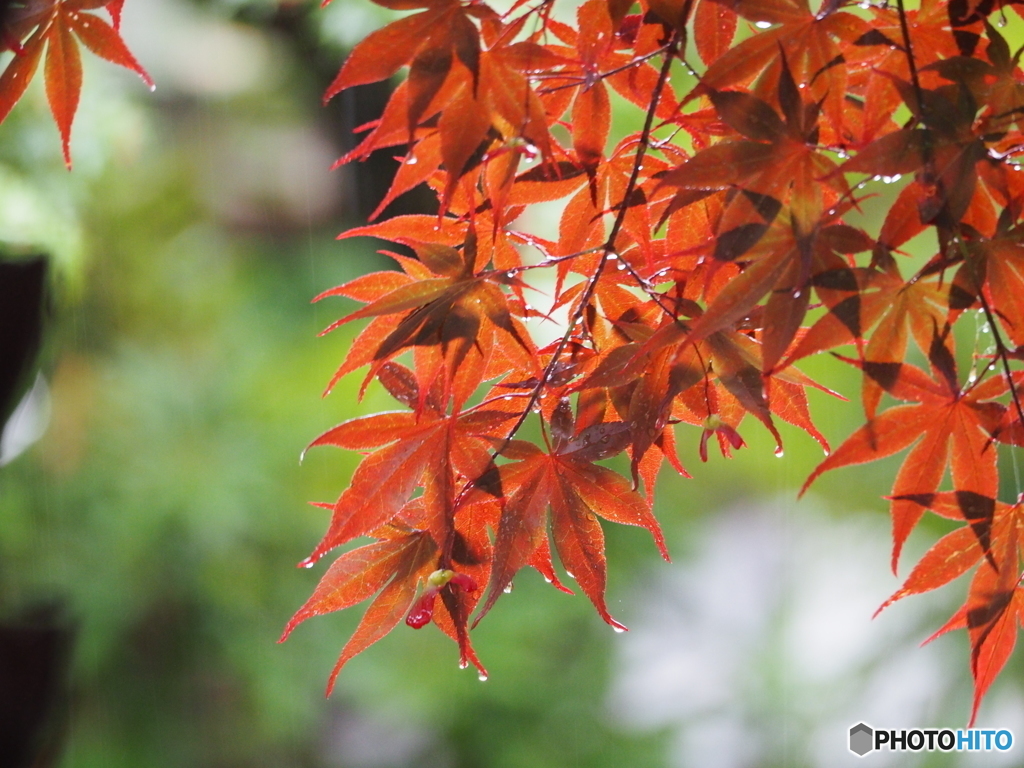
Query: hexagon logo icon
[[861, 739]]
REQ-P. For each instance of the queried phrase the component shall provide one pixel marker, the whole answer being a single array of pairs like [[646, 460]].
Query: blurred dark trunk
[[366, 182], [22, 292], [34, 658]]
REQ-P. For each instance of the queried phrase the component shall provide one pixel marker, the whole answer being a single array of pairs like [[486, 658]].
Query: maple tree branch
[[539, 8], [988, 367], [490, 400], [645, 286], [549, 260], [608, 248], [1001, 350], [908, 49], [578, 81]]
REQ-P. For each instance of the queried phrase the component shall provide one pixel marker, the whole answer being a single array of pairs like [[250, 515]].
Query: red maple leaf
[[577, 492], [946, 426], [59, 27]]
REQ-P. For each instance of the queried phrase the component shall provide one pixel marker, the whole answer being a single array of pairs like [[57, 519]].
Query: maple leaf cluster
[[698, 260]]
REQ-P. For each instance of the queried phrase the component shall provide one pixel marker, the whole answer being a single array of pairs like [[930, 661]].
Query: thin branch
[[1001, 350], [905, 29], [578, 81], [608, 248]]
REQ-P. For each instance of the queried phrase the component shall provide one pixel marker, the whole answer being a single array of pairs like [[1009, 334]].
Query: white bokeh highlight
[[759, 648]]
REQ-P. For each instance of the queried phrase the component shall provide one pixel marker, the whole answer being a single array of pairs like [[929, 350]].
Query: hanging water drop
[[463, 663], [762, 24], [779, 452], [508, 589], [410, 160], [482, 677], [618, 629]]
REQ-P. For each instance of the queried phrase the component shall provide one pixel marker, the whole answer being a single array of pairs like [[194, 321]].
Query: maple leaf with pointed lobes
[[896, 310], [596, 56], [403, 562], [878, 56], [577, 491], [812, 43], [59, 27], [855, 299], [672, 367], [482, 101], [996, 266], [950, 427], [444, 302], [392, 567], [784, 265], [993, 536], [414, 449], [778, 159], [945, 153]]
